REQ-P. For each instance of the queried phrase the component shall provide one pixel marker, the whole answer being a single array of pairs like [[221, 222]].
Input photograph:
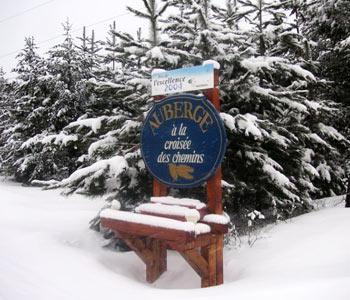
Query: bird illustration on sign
[[180, 171]]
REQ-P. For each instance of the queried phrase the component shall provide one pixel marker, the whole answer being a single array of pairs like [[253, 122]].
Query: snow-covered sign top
[[183, 80], [183, 140]]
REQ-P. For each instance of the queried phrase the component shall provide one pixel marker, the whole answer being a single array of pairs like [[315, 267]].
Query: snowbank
[[48, 252]]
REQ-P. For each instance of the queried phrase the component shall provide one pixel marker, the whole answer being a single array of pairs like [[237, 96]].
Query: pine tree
[[277, 158], [326, 23], [110, 46], [276, 90], [61, 92], [88, 54], [66, 65], [4, 101], [5, 104], [268, 93], [282, 151], [28, 112], [111, 129]]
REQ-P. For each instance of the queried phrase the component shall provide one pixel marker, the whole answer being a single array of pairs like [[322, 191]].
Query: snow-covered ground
[[47, 252]]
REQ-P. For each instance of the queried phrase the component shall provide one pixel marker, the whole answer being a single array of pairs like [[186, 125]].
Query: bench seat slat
[[153, 226], [176, 212]]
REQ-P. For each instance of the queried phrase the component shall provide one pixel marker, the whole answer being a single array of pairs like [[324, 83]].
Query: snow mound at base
[[48, 252]]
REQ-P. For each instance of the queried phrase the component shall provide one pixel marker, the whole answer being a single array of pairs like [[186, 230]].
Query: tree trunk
[[347, 199]]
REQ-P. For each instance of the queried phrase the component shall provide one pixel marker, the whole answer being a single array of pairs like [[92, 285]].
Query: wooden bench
[[169, 223]]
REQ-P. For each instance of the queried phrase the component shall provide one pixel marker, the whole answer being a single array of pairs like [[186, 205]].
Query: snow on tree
[[326, 24], [274, 91], [110, 44], [5, 104], [51, 93], [29, 113], [88, 50], [4, 101], [283, 147], [277, 158], [111, 125]]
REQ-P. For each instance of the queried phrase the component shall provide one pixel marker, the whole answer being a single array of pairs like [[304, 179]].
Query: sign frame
[[158, 169]]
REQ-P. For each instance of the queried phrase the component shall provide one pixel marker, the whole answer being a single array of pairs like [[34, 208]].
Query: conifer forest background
[[71, 118]]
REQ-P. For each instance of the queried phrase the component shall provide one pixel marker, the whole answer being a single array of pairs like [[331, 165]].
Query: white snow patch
[[313, 105], [154, 221], [157, 71], [224, 183], [61, 138], [156, 53], [255, 214], [115, 204], [345, 42], [217, 219], [228, 120], [255, 64], [188, 202], [48, 252], [212, 62], [302, 72], [246, 123], [93, 123], [316, 138], [311, 169], [331, 132], [172, 210], [116, 165], [308, 155], [276, 176], [323, 169]]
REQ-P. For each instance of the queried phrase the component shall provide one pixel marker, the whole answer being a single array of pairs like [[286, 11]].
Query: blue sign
[[183, 140]]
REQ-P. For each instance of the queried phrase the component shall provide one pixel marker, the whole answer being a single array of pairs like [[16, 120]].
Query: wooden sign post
[[183, 142], [213, 189]]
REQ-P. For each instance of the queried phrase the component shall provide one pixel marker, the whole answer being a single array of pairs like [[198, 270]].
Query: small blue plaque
[[183, 140]]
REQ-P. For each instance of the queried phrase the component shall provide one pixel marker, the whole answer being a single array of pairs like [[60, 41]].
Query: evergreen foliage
[[327, 25], [72, 119]]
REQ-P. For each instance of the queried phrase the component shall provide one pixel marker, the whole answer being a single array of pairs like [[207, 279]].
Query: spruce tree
[[282, 151], [112, 133], [268, 108], [327, 25], [62, 92], [4, 101], [5, 104], [28, 112]]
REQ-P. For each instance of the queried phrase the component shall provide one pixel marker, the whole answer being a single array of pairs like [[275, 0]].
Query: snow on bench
[[146, 225], [217, 223], [181, 213], [187, 202], [217, 219]]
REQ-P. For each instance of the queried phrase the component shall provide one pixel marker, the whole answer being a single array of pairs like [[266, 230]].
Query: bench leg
[[219, 259], [205, 262], [209, 253], [158, 264], [151, 251]]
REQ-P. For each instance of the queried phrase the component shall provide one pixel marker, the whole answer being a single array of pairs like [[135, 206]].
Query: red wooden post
[[159, 189], [214, 190]]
